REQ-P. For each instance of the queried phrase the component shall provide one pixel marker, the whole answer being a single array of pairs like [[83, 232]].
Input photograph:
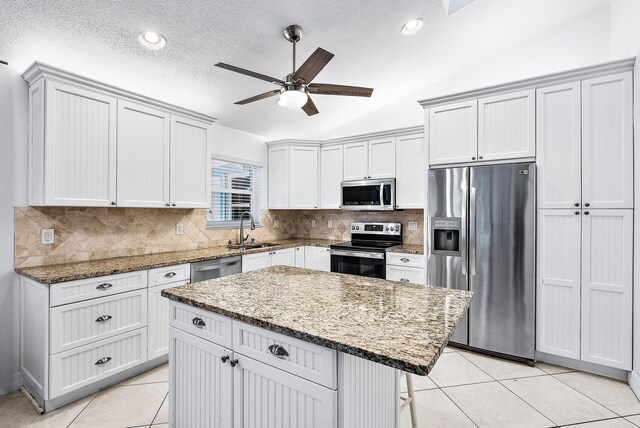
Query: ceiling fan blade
[[329, 89], [259, 97], [313, 65], [310, 108], [250, 73]]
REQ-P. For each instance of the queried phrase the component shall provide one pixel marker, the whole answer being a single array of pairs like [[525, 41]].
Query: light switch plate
[[413, 225], [179, 229], [313, 224], [48, 236], [330, 224], [276, 224]]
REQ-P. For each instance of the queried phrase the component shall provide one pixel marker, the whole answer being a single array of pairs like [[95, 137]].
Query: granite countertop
[[53, 274], [405, 326], [408, 249]]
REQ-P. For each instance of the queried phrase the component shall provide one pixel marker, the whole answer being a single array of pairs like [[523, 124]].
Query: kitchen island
[[292, 347]]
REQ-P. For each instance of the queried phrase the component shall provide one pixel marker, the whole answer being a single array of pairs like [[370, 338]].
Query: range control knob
[[357, 227], [353, 228], [397, 228]]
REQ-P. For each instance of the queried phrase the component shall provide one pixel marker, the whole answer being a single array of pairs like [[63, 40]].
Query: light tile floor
[[464, 390]]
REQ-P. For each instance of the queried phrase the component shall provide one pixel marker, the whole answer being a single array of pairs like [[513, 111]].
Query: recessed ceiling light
[[152, 40], [412, 26]]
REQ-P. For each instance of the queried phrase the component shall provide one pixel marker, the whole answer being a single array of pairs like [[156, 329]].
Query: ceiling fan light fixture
[[293, 97], [152, 40], [412, 26]]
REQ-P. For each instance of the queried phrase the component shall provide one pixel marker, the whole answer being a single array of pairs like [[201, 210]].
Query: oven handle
[[379, 256]]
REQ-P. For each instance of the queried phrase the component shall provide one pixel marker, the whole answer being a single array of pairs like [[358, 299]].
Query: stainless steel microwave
[[368, 195]]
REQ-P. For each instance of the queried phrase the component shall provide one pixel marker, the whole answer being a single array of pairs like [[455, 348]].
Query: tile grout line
[[21, 397], [516, 394], [456, 404], [160, 407], [83, 409], [581, 393], [598, 420]]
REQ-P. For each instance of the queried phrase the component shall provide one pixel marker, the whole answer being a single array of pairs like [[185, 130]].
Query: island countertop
[[405, 326]]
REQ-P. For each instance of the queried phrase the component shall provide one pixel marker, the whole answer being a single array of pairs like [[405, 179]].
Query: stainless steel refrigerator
[[482, 238]]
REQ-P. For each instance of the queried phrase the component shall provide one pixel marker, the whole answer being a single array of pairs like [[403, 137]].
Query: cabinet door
[[318, 258], [356, 161], [406, 274], [286, 257], [80, 148], [303, 177], [158, 322], [506, 126], [264, 396], [453, 133], [382, 158], [559, 282], [410, 171], [300, 256], [256, 261], [330, 176], [279, 177], [201, 383], [143, 156], [190, 172], [607, 142], [559, 146], [607, 269]]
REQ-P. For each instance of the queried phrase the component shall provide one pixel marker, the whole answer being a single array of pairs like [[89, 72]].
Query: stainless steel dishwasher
[[209, 269]]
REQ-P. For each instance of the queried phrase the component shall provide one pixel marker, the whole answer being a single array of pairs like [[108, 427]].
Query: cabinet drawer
[[169, 274], [406, 274], [402, 259], [304, 359], [209, 326], [85, 289], [86, 322], [87, 364]]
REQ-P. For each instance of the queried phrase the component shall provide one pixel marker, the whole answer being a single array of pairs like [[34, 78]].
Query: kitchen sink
[[251, 246]]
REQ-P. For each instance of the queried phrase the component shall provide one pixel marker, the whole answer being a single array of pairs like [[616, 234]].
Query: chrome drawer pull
[[169, 274], [104, 318], [278, 351], [234, 362], [103, 360], [104, 286], [198, 322], [404, 280], [404, 259]]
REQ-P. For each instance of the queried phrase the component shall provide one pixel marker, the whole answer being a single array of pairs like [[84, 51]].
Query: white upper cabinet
[[330, 176], [453, 133], [506, 126], [279, 177], [410, 171], [607, 142], [607, 280], [382, 158], [72, 156], [303, 177], [356, 161], [143, 156], [559, 141], [190, 163]]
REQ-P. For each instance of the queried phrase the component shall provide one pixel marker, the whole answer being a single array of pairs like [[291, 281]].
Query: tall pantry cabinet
[[585, 220]]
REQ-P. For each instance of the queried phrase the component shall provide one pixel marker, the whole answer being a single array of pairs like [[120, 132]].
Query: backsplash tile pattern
[[97, 233]]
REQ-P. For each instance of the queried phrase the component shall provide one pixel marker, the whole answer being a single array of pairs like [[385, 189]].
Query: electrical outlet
[[179, 229], [313, 224], [276, 224], [413, 225], [48, 236], [330, 224]]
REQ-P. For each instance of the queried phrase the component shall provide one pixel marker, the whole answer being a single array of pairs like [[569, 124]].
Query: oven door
[[363, 263], [368, 195]]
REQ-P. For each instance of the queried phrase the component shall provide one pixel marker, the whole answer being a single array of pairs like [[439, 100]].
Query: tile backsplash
[[97, 233]]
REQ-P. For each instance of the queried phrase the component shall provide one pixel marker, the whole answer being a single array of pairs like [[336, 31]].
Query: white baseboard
[[10, 383], [634, 383], [583, 366]]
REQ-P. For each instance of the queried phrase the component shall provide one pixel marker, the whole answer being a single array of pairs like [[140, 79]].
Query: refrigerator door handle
[[472, 233], [463, 231]]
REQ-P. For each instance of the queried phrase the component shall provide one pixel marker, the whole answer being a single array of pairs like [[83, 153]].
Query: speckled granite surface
[[53, 274], [408, 249], [405, 326]]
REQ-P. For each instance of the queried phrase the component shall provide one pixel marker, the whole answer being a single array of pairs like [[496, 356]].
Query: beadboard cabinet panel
[[559, 144], [607, 142], [453, 133], [303, 177], [190, 164], [331, 158], [318, 258], [382, 158], [356, 161], [410, 171], [278, 177], [158, 320], [143, 156], [285, 257]]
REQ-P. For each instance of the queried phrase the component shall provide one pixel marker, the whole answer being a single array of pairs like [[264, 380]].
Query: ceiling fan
[[296, 87]]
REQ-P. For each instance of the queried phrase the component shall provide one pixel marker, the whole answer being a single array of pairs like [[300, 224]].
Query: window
[[235, 188]]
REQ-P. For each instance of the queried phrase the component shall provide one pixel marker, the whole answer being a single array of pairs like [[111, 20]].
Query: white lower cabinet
[[285, 257], [158, 320], [299, 257], [317, 258], [405, 267]]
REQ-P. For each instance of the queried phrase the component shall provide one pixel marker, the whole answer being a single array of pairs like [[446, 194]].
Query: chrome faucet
[[253, 227]]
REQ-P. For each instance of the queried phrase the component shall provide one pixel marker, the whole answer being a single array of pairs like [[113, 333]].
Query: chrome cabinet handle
[[278, 351], [233, 363], [404, 259], [576, 204], [169, 274], [404, 280], [104, 286], [586, 213], [103, 361], [173, 204], [103, 318], [577, 213], [113, 202], [587, 204], [198, 322], [167, 204], [224, 359]]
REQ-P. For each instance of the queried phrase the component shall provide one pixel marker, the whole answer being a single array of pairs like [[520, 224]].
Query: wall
[[13, 143]]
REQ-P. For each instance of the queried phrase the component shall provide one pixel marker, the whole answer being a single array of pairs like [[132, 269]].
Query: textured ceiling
[[98, 39]]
